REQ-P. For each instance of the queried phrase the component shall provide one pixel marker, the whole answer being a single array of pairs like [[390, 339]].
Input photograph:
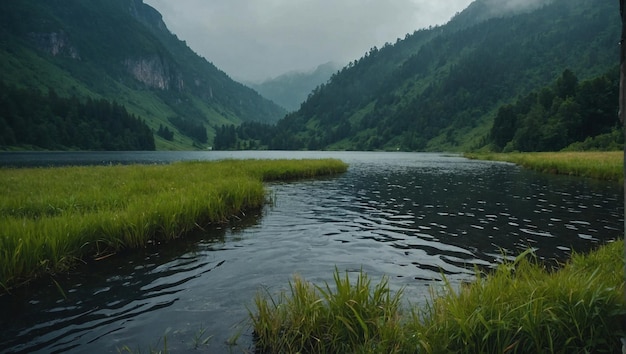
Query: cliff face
[[155, 72]]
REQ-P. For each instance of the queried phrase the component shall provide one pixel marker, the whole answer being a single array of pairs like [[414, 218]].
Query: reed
[[50, 218], [344, 318], [592, 164], [520, 307]]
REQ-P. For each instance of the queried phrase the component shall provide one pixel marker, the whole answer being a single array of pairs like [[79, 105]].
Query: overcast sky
[[252, 40]]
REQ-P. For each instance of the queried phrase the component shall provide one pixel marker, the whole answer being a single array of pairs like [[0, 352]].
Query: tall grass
[[345, 318], [521, 307], [597, 164], [50, 218]]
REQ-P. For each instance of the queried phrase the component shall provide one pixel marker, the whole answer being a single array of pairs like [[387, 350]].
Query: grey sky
[[254, 40]]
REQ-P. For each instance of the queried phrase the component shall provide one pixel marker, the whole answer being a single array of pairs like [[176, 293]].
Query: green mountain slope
[[440, 88], [121, 50]]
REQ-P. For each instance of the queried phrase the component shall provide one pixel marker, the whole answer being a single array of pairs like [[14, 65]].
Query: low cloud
[[505, 7], [253, 40]]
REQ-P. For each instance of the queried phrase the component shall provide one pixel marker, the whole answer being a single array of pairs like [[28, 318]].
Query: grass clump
[[593, 164], [524, 308], [348, 318], [51, 218], [520, 307]]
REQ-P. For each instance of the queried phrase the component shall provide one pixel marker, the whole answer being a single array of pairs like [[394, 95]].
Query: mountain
[[122, 51], [440, 88], [291, 89]]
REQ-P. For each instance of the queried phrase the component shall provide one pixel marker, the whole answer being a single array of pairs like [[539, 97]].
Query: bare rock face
[[55, 43], [154, 72]]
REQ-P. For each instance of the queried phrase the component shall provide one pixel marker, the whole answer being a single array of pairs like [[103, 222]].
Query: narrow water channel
[[412, 217]]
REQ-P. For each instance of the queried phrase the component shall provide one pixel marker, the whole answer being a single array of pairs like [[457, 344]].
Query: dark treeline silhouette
[[247, 136], [32, 119]]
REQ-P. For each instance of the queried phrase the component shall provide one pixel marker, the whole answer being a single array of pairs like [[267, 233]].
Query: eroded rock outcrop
[[154, 72]]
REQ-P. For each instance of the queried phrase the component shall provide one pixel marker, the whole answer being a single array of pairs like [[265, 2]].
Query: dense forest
[[440, 89], [562, 114], [565, 114], [32, 119]]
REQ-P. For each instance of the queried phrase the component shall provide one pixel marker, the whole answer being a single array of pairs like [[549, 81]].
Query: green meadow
[[52, 219], [593, 164]]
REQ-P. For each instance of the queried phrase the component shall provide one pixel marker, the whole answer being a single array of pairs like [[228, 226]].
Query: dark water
[[408, 216]]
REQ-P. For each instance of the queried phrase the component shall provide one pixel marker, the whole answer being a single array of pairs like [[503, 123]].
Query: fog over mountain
[[256, 40], [502, 7]]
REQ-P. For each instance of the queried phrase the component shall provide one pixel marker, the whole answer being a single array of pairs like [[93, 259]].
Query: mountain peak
[[147, 15]]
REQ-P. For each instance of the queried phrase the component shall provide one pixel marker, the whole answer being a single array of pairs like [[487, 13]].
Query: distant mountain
[[121, 51], [291, 89], [440, 88]]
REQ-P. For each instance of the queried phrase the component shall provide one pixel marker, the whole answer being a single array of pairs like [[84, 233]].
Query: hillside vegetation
[[30, 119], [121, 51], [439, 89]]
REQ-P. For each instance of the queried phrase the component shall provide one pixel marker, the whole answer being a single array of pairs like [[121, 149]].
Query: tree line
[[30, 118], [194, 130]]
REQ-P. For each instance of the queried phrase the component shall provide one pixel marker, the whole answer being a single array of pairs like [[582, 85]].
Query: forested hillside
[[121, 51], [561, 114], [441, 88], [31, 119]]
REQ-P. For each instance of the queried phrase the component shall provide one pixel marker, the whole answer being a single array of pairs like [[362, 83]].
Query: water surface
[[412, 217]]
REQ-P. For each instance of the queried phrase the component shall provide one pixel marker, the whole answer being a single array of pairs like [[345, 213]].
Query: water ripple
[[416, 218]]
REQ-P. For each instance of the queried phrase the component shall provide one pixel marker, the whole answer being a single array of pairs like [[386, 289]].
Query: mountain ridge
[[290, 89]]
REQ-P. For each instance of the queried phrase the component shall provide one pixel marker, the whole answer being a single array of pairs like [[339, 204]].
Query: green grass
[[345, 318], [521, 307], [524, 308], [599, 165], [53, 218]]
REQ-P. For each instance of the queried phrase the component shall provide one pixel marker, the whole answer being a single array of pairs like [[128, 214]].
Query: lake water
[[412, 217]]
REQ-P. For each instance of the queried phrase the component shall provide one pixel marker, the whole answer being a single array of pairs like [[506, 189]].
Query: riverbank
[[593, 164], [521, 307], [54, 218]]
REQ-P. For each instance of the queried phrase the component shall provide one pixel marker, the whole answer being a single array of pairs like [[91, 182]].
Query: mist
[[508, 7]]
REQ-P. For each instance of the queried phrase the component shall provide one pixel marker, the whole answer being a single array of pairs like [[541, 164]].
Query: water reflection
[[412, 217]]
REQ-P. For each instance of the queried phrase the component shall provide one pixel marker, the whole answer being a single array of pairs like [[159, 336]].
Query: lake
[[412, 217]]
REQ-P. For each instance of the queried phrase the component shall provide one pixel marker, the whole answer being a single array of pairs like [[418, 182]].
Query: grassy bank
[[519, 308], [52, 218], [599, 165]]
